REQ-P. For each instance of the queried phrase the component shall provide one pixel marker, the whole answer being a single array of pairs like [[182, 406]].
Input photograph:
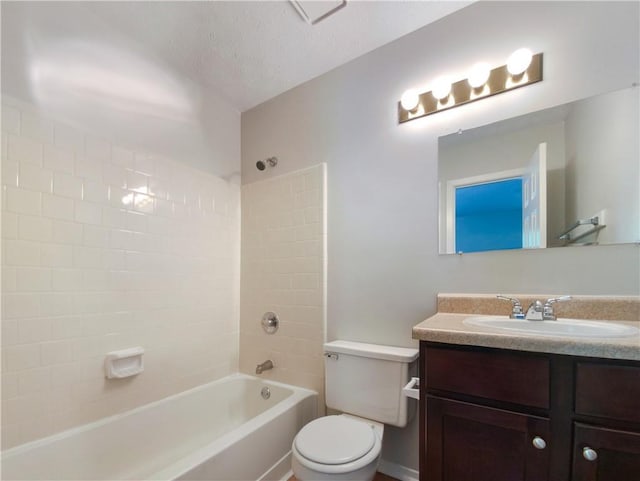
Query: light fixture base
[[500, 80]]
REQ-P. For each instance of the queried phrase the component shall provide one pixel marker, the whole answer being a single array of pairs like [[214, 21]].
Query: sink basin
[[559, 328]]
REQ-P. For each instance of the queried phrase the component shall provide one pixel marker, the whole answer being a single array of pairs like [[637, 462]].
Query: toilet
[[364, 382]]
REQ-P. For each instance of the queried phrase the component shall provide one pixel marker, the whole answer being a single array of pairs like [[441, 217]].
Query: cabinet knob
[[589, 454], [539, 443]]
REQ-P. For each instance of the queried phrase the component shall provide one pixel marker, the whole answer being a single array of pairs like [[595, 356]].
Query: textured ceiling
[[246, 52], [249, 52]]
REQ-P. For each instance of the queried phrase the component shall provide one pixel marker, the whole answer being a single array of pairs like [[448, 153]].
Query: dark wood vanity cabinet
[[473, 442], [497, 415], [608, 393], [618, 454]]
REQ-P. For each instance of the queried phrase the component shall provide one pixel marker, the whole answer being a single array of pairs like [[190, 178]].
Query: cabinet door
[[605, 454], [467, 442]]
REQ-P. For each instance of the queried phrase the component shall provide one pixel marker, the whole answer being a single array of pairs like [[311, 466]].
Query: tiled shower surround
[[284, 271], [103, 249]]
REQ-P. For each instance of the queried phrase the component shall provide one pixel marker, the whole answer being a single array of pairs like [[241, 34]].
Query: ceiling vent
[[314, 11]]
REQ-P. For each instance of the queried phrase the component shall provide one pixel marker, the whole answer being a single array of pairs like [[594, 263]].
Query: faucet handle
[[553, 300], [516, 306], [548, 314]]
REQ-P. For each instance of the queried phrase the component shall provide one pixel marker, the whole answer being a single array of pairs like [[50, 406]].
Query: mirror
[[564, 176]]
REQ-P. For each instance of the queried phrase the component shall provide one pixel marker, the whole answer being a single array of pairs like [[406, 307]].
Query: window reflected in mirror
[[488, 216]]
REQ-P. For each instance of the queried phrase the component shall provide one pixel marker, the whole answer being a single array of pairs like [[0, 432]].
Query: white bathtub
[[224, 430]]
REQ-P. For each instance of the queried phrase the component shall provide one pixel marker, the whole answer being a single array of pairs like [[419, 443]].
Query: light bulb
[[519, 61], [479, 75], [441, 88], [410, 100]]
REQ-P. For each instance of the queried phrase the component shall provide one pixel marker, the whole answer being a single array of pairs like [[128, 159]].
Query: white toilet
[[365, 382]]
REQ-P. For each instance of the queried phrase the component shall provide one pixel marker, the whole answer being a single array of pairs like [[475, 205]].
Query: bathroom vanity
[[499, 406]]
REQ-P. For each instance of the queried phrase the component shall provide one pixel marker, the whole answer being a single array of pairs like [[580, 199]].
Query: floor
[[379, 477]]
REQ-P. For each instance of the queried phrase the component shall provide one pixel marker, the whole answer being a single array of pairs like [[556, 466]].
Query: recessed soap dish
[[124, 363]]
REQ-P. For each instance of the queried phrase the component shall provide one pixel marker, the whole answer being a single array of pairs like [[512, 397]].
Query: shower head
[[271, 162]]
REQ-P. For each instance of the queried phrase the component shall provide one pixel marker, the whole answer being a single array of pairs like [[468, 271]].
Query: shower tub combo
[[236, 428]]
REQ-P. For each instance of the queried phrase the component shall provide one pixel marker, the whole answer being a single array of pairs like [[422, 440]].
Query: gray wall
[[384, 270]]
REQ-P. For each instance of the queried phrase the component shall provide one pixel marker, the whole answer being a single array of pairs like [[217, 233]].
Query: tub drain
[[265, 393]]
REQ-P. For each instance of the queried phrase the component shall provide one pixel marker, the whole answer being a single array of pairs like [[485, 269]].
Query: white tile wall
[[284, 271], [104, 248]]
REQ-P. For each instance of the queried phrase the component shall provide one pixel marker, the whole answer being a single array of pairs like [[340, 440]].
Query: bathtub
[[224, 430]]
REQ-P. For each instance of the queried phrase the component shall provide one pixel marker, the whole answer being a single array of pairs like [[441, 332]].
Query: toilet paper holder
[[412, 388]]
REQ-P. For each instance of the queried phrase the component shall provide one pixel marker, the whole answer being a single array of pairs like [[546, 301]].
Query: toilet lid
[[335, 440]]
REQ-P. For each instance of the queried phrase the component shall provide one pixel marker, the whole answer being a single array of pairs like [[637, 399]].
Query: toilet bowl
[[337, 448], [363, 381]]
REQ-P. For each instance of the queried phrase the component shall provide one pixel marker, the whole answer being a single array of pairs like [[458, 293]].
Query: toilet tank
[[367, 380]]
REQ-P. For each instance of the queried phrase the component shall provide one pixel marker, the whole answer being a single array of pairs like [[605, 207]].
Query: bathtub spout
[[265, 366]]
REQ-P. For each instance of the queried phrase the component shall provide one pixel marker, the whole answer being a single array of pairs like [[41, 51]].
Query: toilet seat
[[335, 440], [334, 457]]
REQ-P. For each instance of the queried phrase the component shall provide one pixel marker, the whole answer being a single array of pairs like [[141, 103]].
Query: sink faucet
[[535, 311], [538, 311], [265, 366], [516, 307]]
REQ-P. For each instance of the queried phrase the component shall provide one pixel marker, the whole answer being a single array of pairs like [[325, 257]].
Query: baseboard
[[287, 476], [398, 471], [280, 471]]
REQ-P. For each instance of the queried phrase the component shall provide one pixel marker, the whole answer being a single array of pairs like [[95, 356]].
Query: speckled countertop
[[448, 327]]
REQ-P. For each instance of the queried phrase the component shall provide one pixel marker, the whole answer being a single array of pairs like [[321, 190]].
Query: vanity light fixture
[[441, 89], [522, 68], [519, 61], [478, 75], [410, 100]]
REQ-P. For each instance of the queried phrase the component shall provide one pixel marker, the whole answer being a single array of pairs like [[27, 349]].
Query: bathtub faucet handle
[[265, 366]]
